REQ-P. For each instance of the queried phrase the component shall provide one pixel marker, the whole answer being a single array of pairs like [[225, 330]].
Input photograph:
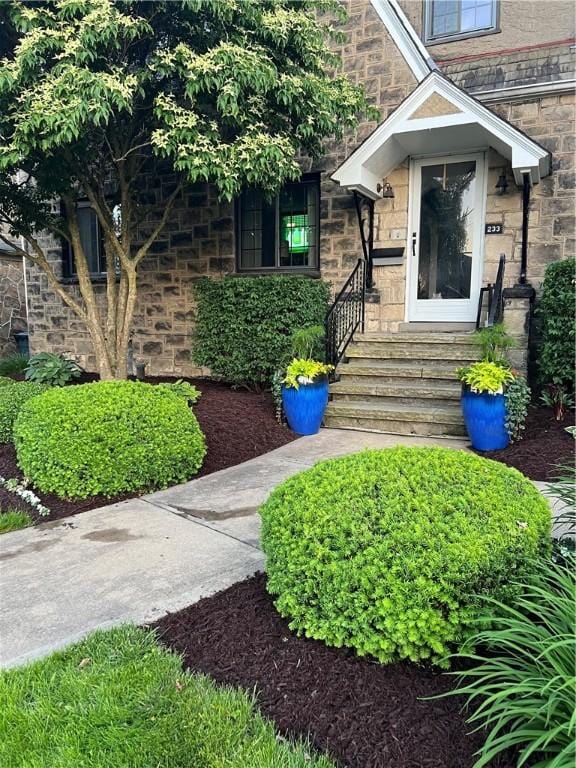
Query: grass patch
[[119, 699], [13, 521]]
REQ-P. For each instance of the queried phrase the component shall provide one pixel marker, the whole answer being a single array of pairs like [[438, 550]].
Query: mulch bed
[[544, 445], [363, 714], [238, 425]]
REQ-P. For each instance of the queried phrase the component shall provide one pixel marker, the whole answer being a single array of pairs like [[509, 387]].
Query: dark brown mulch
[[238, 425], [363, 714], [545, 444]]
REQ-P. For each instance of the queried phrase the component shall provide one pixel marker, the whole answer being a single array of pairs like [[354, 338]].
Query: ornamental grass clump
[[519, 678], [387, 551], [108, 438]]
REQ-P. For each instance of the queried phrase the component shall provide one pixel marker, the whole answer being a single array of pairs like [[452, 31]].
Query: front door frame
[[444, 310]]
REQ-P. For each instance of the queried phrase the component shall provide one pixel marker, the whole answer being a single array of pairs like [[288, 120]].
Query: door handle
[[414, 238]]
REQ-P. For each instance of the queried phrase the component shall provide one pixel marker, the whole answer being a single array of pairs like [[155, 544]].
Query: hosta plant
[[486, 376], [520, 681], [52, 369]]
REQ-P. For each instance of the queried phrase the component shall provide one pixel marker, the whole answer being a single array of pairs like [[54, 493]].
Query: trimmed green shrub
[[244, 326], [108, 438], [556, 358], [13, 395], [387, 551]]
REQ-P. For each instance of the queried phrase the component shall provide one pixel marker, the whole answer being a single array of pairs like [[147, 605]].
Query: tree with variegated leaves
[[97, 95]]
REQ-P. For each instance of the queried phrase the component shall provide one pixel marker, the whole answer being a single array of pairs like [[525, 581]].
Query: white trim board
[[524, 92], [471, 125]]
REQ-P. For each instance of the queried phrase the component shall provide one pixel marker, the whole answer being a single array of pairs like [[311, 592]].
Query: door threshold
[[436, 327]]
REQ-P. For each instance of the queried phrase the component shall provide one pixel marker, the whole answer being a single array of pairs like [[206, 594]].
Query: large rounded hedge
[[13, 395], [108, 438], [387, 551]]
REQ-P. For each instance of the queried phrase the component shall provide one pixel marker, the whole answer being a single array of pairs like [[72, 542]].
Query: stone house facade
[[12, 298], [492, 106]]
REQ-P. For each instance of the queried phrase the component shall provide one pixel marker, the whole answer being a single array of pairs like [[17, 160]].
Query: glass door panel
[[446, 239], [446, 230]]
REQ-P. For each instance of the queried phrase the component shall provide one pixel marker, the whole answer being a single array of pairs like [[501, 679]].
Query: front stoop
[[402, 383]]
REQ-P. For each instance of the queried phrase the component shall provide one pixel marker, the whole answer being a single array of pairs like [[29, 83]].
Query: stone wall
[[12, 301]]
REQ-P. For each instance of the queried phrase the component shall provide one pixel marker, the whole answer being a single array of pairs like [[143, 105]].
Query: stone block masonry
[[12, 302]]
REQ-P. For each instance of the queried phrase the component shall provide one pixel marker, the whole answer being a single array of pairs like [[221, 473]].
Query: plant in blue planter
[[484, 404], [305, 394]]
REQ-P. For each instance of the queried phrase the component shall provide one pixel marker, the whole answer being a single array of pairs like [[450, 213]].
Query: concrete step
[[433, 392], [397, 371], [401, 419], [371, 350], [417, 338]]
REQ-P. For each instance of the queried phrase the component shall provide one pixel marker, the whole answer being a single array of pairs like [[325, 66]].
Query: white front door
[[446, 238]]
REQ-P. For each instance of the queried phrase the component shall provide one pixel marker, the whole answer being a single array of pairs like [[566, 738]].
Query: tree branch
[[144, 248]]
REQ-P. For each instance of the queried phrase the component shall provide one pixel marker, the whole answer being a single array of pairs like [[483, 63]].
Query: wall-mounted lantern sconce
[[502, 183], [385, 189]]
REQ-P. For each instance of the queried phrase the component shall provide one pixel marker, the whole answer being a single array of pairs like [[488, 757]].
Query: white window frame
[[430, 39]]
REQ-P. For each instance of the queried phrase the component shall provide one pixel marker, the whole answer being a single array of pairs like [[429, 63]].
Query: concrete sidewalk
[[240, 490], [137, 560]]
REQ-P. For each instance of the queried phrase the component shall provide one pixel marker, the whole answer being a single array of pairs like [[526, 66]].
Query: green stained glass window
[[281, 233]]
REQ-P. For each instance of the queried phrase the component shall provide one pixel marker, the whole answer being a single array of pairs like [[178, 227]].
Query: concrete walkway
[[137, 560]]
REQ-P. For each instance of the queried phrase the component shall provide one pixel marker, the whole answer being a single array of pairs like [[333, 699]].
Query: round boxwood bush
[[388, 551], [108, 438], [13, 395]]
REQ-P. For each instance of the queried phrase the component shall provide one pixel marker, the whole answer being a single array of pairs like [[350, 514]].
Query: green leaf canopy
[[229, 92]]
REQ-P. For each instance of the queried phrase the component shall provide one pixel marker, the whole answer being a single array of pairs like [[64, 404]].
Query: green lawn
[[12, 521], [119, 700]]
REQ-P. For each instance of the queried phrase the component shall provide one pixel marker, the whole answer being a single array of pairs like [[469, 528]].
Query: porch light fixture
[[385, 189], [502, 183]]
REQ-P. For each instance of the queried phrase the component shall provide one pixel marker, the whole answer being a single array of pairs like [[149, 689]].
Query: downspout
[[525, 216]]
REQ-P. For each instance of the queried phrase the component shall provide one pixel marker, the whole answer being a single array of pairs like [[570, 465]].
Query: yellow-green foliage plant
[[487, 377], [388, 551], [107, 438], [302, 371]]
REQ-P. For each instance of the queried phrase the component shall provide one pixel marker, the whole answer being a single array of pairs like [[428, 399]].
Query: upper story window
[[281, 233], [447, 19]]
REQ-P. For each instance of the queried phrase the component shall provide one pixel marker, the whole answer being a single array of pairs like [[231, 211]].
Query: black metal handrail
[[495, 294], [346, 314]]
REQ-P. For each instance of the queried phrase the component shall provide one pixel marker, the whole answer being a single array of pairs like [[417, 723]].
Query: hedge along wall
[[243, 325], [556, 358]]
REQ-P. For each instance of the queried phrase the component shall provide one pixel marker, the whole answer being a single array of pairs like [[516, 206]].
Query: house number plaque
[[493, 229]]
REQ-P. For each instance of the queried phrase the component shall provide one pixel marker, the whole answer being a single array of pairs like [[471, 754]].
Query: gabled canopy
[[438, 118]]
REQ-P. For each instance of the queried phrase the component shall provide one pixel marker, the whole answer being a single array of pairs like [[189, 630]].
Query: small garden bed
[[361, 713], [238, 425], [545, 443]]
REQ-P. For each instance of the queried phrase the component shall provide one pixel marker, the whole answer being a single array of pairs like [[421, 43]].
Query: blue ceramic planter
[[304, 407], [485, 419]]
